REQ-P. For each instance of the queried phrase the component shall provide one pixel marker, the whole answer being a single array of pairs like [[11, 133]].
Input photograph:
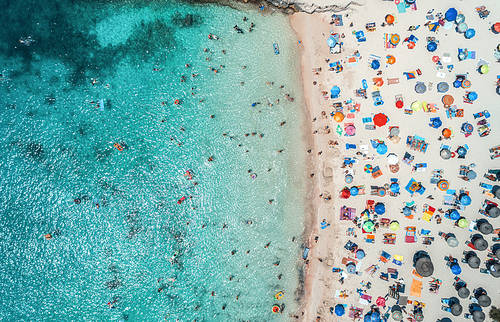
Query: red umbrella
[[380, 119], [399, 104], [380, 301], [346, 193], [496, 27]]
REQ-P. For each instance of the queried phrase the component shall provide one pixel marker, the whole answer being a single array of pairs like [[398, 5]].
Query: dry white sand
[[312, 31]]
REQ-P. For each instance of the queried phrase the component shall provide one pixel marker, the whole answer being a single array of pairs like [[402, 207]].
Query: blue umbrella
[[467, 127], [339, 310], [335, 91], [360, 254], [436, 122], [469, 33], [354, 191], [331, 41], [382, 149], [379, 208], [372, 317], [451, 14], [455, 269], [407, 211], [394, 187], [375, 64], [431, 46], [454, 215], [465, 200], [457, 84], [472, 96]]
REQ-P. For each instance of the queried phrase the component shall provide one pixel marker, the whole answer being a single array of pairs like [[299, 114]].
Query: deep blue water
[[96, 74]]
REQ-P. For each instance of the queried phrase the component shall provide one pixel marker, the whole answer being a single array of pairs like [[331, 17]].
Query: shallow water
[[128, 238]]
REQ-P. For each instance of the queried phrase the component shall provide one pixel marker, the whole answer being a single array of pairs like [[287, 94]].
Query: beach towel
[[398, 260], [416, 288]]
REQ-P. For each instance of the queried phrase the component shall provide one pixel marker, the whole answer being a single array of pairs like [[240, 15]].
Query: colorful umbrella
[[431, 46], [379, 208], [456, 269], [350, 130], [382, 149], [470, 33], [454, 215], [346, 193], [465, 200], [368, 168], [443, 87], [339, 310], [451, 14], [394, 226], [443, 185], [463, 223], [368, 226], [380, 119], [380, 301], [354, 191]]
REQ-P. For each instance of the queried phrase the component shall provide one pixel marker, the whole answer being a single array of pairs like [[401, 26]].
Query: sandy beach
[[402, 67]]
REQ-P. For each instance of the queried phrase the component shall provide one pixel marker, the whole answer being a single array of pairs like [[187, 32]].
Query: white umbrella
[[392, 159]]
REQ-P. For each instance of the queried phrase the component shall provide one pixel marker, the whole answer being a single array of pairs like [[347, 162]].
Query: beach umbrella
[[473, 261], [465, 200], [368, 226], [394, 187], [382, 149], [462, 27], [381, 192], [399, 104], [419, 316], [394, 131], [451, 14], [448, 99], [397, 313], [485, 228], [478, 316], [463, 292], [496, 188], [431, 46], [346, 193], [496, 28], [454, 215], [390, 59], [338, 117], [472, 96], [380, 301], [446, 134], [394, 40], [348, 178], [480, 244], [484, 300], [494, 212], [496, 250], [406, 211], [416, 106], [331, 41], [467, 127], [392, 158], [461, 151], [470, 33], [339, 310], [484, 69], [494, 269], [435, 122], [335, 91], [466, 83], [380, 119], [375, 64], [458, 83], [445, 320], [379, 208], [471, 175], [456, 269], [452, 241], [443, 185], [443, 87], [459, 19], [360, 254], [424, 266], [389, 19], [354, 191], [456, 309], [368, 168], [351, 268], [350, 130], [445, 154], [394, 226], [420, 88], [463, 223]]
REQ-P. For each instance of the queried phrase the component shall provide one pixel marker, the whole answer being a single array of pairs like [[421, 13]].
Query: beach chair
[[370, 239], [410, 236], [389, 239], [393, 273], [384, 222], [384, 257], [376, 172], [398, 260], [384, 276], [392, 81]]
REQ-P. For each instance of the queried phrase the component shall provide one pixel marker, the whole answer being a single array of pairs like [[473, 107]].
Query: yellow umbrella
[[416, 106], [394, 226]]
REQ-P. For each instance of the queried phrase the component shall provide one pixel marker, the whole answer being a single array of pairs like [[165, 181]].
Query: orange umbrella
[[380, 119], [391, 59], [446, 133], [338, 117], [378, 81], [389, 19], [496, 27], [447, 100]]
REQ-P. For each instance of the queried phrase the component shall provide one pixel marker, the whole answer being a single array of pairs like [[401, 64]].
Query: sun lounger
[[389, 239], [385, 257], [398, 260], [370, 239], [392, 81], [410, 236]]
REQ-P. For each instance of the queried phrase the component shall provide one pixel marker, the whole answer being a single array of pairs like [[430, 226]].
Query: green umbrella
[[463, 223], [394, 226], [368, 226], [484, 69]]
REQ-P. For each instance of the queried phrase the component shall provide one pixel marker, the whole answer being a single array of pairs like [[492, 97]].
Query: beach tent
[[451, 14], [480, 243], [379, 208], [485, 227], [424, 266], [380, 119], [339, 310], [473, 261], [478, 316], [484, 300]]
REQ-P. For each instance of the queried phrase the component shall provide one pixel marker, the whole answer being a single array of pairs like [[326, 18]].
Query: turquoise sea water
[[122, 248]]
